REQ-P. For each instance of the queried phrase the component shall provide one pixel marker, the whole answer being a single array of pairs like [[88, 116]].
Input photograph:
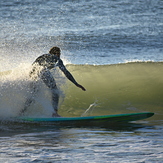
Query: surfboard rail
[[116, 118]]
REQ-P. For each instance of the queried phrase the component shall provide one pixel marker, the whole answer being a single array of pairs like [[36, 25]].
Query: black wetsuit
[[41, 69], [47, 62]]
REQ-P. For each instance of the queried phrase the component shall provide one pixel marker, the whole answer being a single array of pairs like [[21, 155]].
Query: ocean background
[[113, 48]]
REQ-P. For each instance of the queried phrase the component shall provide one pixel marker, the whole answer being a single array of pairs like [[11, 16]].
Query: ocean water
[[113, 48]]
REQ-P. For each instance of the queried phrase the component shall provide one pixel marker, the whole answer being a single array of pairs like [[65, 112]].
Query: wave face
[[111, 89], [119, 88]]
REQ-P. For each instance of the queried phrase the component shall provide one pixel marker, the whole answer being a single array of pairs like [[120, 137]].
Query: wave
[[111, 89]]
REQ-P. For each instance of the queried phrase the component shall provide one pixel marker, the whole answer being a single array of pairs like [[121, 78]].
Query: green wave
[[119, 88]]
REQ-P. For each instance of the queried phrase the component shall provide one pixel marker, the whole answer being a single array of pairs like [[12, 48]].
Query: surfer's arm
[[68, 75]]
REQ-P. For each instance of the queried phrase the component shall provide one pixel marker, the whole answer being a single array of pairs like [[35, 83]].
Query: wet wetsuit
[[41, 69]]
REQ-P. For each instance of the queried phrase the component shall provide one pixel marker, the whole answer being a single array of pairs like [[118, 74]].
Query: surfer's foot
[[21, 113], [55, 115]]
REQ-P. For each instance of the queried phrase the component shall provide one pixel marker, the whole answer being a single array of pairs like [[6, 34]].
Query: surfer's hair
[[55, 50]]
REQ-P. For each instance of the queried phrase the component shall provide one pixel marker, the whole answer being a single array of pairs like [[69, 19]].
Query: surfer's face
[[58, 54]]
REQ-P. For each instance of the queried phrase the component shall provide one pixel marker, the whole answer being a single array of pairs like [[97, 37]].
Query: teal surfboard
[[117, 118]]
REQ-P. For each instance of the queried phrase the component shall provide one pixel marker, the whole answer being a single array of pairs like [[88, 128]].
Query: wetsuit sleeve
[[66, 72]]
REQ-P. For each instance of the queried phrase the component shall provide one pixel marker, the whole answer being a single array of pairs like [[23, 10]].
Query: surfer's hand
[[80, 86]]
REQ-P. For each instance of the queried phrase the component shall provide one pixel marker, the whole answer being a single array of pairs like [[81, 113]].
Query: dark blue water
[[89, 32], [92, 32]]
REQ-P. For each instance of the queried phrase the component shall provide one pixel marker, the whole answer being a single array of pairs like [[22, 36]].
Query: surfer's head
[[55, 50]]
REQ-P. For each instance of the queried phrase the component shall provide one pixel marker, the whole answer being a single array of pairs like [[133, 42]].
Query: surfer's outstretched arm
[[68, 75]]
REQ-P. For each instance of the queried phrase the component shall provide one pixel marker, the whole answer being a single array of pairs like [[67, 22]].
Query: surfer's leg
[[31, 99], [55, 101], [48, 79]]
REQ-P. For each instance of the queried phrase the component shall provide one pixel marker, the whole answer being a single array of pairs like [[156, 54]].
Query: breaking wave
[[111, 89]]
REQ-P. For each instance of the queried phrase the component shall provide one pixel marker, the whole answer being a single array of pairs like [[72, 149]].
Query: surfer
[[41, 70]]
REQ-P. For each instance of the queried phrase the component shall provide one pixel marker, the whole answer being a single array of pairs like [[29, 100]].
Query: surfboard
[[110, 119]]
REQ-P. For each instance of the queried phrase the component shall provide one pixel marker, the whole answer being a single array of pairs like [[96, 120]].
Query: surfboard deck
[[111, 119]]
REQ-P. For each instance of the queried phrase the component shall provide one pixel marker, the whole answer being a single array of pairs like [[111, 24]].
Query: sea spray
[[15, 89], [90, 109]]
